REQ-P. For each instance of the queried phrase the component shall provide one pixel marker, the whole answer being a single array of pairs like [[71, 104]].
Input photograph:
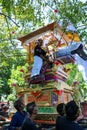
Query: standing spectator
[[69, 121], [1, 106], [61, 112], [3, 113], [61, 109], [29, 123], [19, 116]]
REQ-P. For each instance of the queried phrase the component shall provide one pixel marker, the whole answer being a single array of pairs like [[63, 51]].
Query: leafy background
[[19, 17]]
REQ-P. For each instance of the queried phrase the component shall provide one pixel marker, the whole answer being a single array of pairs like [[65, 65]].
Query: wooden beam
[[49, 27]]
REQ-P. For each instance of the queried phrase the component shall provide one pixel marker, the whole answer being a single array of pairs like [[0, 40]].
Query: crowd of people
[[67, 118]]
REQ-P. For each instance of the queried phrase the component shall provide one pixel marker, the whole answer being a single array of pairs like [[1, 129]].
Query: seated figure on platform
[[39, 56]]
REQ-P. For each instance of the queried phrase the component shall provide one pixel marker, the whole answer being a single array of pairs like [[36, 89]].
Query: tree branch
[[9, 18]]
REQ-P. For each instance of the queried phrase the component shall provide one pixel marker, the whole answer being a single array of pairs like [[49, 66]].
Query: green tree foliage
[[18, 76], [31, 14], [10, 58], [75, 79], [19, 17]]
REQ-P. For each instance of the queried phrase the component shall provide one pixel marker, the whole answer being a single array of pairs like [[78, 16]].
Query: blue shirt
[[17, 119]]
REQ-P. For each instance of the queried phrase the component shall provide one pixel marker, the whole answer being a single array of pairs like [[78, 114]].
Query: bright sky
[[83, 1]]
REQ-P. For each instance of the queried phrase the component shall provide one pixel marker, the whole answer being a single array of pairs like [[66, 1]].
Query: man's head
[[72, 110], [2, 105], [32, 108], [40, 42], [5, 107], [61, 109], [19, 105]]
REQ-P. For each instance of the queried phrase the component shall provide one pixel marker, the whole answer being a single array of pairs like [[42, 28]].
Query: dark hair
[[39, 41], [2, 104], [72, 110], [17, 104], [30, 107], [61, 109]]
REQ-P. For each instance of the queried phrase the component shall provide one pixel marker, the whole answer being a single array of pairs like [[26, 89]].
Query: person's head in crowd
[[2, 105], [19, 105], [61, 109], [40, 42], [72, 110], [5, 107], [32, 108]]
